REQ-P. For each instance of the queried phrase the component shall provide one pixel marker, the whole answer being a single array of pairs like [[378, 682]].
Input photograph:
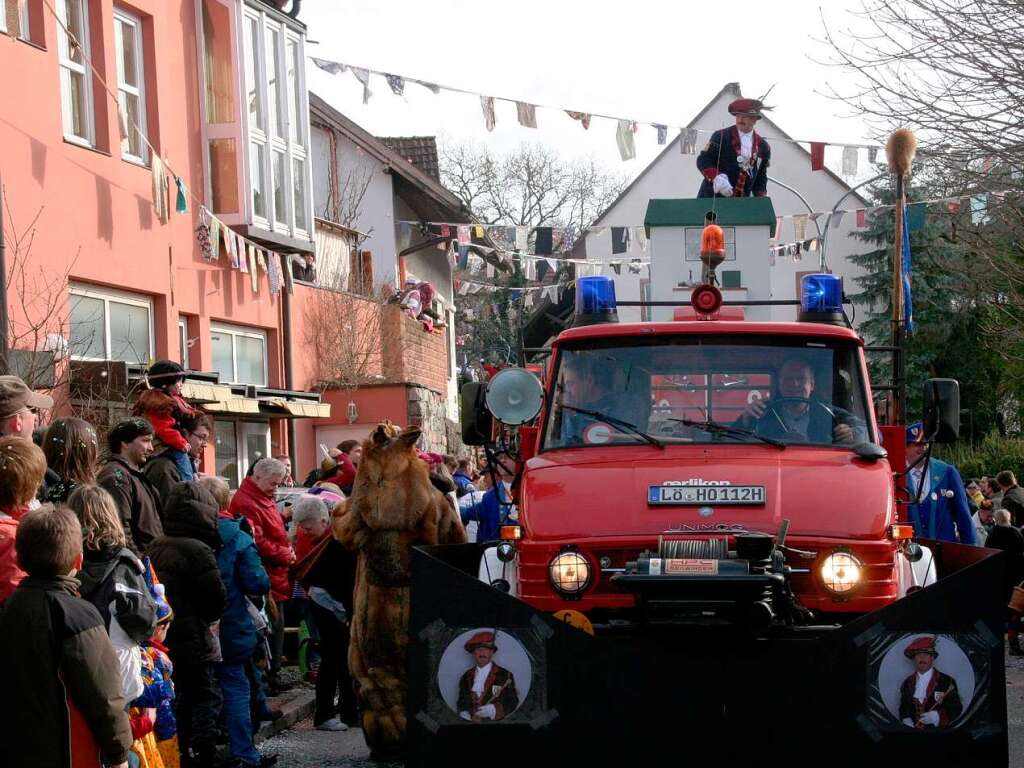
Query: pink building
[[101, 281]]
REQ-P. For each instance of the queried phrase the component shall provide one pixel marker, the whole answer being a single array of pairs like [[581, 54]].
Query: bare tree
[[530, 186], [952, 71], [344, 333]]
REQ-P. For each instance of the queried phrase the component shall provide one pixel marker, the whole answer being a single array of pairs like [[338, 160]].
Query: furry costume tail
[[899, 150]]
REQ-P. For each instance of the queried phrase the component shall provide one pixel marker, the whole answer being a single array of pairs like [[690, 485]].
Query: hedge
[[991, 455]]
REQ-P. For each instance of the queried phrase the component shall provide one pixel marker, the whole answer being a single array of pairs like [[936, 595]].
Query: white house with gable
[[674, 175]]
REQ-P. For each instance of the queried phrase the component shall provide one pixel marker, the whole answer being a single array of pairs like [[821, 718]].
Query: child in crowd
[[64, 706], [163, 406], [114, 580], [160, 744], [22, 468]]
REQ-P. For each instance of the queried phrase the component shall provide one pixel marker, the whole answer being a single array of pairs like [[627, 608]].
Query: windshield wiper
[[615, 422], [716, 427]]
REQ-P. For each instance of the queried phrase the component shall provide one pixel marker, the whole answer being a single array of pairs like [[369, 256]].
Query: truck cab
[[673, 445]]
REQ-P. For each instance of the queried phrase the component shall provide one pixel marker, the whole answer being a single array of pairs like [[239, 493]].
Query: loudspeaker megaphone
[[514, 396]]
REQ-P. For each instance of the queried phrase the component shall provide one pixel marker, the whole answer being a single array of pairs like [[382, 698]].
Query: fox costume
[[393, 507]]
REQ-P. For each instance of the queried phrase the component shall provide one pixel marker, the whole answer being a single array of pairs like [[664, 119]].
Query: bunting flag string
[[952, 204], [526, 114]]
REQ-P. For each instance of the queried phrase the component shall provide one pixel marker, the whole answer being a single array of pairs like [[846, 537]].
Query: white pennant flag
[[850, 161], [799, 226]]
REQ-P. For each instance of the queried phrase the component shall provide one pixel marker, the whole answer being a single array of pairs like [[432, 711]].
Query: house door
[[240, 444]]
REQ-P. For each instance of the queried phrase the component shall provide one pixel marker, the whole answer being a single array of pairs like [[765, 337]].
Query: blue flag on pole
[[908, 305]]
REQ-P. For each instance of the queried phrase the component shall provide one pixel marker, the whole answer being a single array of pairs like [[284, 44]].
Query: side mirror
[[942, 410], [476, 419]]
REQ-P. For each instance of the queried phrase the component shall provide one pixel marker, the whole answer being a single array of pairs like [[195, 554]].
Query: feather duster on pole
[[899, 151]]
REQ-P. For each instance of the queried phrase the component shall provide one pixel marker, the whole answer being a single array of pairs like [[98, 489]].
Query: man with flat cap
[[928, 697], [735, 161], [486, 691]]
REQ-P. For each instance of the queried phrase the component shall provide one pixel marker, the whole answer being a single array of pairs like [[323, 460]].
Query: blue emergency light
[[821, 299], [595, 300]]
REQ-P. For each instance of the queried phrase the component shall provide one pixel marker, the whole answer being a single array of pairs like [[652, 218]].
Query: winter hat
[[164, 372], [158, 593]]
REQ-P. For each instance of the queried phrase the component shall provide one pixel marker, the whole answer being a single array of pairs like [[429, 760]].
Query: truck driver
[[796, 414], [586, 384]]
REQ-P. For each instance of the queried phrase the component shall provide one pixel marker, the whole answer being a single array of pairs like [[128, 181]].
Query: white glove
[[465, 716], [721, 185], [906, 721], [487, 712], [930, 718]]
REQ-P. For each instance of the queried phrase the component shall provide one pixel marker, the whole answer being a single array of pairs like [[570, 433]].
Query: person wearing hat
[[928, 697], [19, 407], [130, 443], [163, 405], [938, 506], [735, 161], [486, 691]]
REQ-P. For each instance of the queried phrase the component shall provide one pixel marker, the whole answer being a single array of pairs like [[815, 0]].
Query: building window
[[239, 445], [110, 326], [131, 97], [24, 18], [692, 243], [239, 355], [183, 342], [731, 278], [75, 77], [277, 121]]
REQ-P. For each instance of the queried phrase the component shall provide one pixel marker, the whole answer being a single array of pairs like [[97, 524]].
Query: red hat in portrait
[[749, 107], [920, 645], [481, 640]]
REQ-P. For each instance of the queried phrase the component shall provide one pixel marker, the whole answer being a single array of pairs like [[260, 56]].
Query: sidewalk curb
[[296, 705]]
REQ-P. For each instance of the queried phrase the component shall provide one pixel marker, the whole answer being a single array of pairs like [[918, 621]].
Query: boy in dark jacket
[[65, 703], [186, 563], [243, 574]]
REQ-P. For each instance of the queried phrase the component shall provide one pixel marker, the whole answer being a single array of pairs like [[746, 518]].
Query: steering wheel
[[775, 402]]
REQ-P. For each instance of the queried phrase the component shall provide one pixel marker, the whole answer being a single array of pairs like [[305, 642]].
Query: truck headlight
[[569, 572], [841, 572]]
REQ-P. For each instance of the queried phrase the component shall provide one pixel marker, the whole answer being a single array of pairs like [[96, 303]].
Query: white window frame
[[183, 341], [124, 18], [67, 67], [253, 333], [118, 297], [288, 93], [242, 430]]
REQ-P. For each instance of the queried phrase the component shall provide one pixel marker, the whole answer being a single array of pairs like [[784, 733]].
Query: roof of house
[[421, 151], [728, 211], [424, 193], [731, 89]]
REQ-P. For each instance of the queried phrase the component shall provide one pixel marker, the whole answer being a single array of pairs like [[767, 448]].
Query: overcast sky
[[649, 60]]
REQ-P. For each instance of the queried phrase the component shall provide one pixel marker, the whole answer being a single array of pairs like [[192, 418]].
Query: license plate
[[705, 494]]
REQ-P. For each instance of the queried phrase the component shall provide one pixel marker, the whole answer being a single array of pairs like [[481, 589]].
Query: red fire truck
[[704, 555]]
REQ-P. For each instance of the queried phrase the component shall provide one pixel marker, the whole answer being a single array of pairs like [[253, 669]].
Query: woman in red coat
[[254, 501]]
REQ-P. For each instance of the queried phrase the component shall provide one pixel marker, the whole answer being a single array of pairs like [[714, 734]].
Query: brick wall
[[411, 355]]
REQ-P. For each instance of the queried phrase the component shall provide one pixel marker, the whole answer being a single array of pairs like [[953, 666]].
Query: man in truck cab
[[794, 412], [588, 385]]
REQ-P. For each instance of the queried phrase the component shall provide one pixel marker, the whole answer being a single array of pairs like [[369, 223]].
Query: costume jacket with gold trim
[[949, 709], [721, 155], [499, 690]]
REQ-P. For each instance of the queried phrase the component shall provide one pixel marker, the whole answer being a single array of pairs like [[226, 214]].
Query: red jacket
[[269, 532], [10, 574], [161, 410], [344, 474]]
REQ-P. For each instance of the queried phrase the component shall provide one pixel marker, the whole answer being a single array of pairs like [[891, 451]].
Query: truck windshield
[[688, 389]]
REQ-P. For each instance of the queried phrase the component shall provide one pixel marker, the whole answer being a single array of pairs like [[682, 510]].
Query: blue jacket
[[462, 480], [243, 574], [937, 516], [489, 514]]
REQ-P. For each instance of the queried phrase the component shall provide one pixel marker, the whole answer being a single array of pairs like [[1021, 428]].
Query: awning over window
[[296, 409], [203, 392], [234, 405]]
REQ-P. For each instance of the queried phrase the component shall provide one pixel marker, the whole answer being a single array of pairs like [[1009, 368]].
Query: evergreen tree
[[948, 309]]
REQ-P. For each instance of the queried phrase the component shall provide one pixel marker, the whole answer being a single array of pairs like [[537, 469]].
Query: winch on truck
[[707, 507]]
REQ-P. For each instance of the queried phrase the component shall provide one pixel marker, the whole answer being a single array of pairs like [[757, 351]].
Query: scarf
[[751, 170]]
